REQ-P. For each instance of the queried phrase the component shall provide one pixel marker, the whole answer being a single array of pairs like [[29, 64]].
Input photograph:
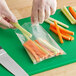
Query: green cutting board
[[10, 42]]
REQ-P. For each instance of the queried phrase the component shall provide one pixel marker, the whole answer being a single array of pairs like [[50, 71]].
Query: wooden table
[[22, 9]]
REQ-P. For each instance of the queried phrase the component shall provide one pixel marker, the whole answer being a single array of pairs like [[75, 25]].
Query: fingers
[[4, 27], [34, 15], [42, 9], [7, 13], [47, 11], [38, 13], [53, 7], [5, 23], [53, 10], [41, 15], [5, 18], [10, 15]]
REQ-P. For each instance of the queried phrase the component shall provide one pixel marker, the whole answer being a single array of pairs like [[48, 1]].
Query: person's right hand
[[6, 15], [42, 9]]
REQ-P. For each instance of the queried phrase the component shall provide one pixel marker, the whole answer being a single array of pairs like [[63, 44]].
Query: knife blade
[[10, 64]]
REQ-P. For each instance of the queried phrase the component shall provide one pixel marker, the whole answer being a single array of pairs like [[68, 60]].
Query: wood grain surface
[[22, 9]]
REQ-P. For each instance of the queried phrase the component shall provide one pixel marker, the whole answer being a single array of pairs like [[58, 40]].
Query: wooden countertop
[[22, 9]]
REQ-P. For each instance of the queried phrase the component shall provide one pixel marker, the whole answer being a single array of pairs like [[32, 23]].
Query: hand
[[42, 9], [6, 15]]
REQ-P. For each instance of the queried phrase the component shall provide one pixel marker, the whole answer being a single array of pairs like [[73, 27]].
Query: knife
[[10, 64]]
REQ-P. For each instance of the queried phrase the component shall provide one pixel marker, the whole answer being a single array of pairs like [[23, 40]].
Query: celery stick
[[49, 46], [48, 21], [64, 25], [68, 15], [72, 22], [31, 56], [21, 29], [42, 48], [26, 36]]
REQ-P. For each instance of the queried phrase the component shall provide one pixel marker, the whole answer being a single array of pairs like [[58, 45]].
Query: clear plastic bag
[[41, 45]]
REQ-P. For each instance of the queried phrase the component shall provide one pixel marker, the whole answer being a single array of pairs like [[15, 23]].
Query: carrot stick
[[72, 12], [31, 51], [71, 38], [37, 51], [46, 52], [62, 29], [63, 36], [58, 31], [36, 48]]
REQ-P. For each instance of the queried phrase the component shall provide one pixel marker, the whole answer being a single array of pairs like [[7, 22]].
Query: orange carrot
[[58, 31], [65, 37], [50, 52], [71, 38], [72, 12], [36, 49], [62, 29], [32, 52], [54, 30], [37, 42]]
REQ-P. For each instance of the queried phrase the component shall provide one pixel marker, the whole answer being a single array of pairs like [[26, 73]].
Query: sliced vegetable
[[31, 51], [62, 29], [64, 25], [37, 50], [58, 31], [49, 46], [68, 15], [49, 53], [71, 38], [32, 57], [21, 29], [26, 36], [45, 51], [63, 36], [72, 12], [48, 21]]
